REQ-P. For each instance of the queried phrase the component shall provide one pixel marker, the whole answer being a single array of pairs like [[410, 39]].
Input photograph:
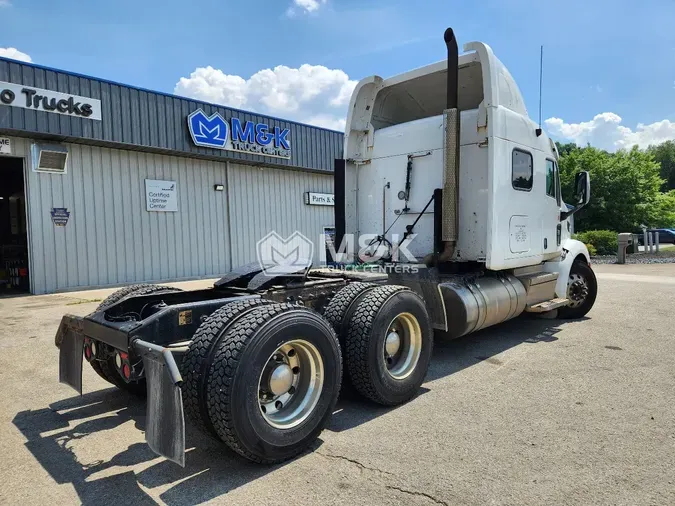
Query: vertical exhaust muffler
[[450, 204]]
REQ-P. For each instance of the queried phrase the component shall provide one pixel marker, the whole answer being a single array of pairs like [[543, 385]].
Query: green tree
[[662, 214], [665, 155], [624, 188], [566, 149]]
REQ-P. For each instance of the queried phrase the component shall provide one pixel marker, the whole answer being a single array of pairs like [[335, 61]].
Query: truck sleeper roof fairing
[[378, 103]]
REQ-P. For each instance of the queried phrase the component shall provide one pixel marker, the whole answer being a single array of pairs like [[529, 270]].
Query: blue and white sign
[[258, 138], [60, 216]]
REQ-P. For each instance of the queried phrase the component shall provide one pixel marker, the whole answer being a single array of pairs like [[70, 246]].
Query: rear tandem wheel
[[388, 344], [273, 382]]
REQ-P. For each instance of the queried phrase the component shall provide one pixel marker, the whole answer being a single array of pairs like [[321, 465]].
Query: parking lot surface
[[530, 412]]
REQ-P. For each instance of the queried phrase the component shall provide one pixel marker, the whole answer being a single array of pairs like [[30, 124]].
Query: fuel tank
[[472, 305]]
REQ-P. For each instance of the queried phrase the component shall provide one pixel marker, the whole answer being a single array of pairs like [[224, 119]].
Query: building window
[[550, 178], [521, 176]]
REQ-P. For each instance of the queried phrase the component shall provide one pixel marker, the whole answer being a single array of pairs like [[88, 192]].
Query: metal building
[[105, 184]]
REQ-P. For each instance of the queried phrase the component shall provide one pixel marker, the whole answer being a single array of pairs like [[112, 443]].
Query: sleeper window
[[521, 177]]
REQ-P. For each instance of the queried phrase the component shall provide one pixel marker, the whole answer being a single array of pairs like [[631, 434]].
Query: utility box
[[624, 241]]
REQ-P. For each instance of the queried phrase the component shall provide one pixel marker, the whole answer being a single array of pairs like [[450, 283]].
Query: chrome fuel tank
[[480, 303]]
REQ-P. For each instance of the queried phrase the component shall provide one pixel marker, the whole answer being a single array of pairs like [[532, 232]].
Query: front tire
[[582, 289], [388, 345], [274, 381]]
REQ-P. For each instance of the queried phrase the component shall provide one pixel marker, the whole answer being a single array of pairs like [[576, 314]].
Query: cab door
[[551, 225]]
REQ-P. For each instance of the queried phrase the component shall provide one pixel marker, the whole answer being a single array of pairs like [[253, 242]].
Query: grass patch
[[83, 301]]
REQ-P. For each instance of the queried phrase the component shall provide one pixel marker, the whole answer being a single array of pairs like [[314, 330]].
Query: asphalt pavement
[[530, 412]]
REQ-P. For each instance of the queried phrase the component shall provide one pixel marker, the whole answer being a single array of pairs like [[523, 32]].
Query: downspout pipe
[[450, 204]]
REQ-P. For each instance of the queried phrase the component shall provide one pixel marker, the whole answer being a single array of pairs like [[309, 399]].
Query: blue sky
[[609, 65]]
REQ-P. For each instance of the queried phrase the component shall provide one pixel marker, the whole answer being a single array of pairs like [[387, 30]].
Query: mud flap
[[70, 340], [165, 421]]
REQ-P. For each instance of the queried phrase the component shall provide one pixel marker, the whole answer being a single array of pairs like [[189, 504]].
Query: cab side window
[[557, 183], [521, 175], [550, 178]]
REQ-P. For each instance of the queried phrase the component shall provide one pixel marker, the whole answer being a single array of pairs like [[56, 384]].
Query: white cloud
[[311, 93], [303, 6], [5, 3], [14, 53], [605, 131], [327, 121], [308, 5]]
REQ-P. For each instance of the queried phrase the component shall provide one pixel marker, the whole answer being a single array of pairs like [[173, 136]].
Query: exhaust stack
[[450, 204]]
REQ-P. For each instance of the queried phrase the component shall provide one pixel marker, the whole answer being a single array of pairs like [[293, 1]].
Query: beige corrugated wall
[[263, 200], [111, 239]]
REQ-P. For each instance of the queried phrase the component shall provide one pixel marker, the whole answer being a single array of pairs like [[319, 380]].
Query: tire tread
[[338, 306], [197, 361], [358, 338], [139, 289], [223, 370], [105, 368]]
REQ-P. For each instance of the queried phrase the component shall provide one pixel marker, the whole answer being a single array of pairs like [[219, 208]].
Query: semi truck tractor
[[459, 190]]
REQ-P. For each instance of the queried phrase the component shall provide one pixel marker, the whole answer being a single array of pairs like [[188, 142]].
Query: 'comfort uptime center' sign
[[38, 99], [257, 138]]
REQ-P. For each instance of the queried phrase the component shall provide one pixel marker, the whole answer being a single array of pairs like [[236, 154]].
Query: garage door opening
[[13, 235]]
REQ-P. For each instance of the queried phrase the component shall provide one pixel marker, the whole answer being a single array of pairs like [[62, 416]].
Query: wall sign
[[319, 199], [161, 195], [38, 99], [60, 216], [5, 146], [259, 138]]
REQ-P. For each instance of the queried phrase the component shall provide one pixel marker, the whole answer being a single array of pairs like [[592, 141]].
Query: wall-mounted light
[[219, 187]]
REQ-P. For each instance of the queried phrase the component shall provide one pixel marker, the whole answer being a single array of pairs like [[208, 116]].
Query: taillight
[[90, 349], [123, 365]]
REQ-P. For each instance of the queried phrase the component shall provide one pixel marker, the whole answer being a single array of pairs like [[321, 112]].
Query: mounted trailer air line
[[259, 359]]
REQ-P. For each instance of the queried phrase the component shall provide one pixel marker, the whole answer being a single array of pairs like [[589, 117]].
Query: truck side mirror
[[582, 189], [582, 192]]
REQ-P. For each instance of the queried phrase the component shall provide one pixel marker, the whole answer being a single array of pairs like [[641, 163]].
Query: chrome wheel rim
[[577, 290], [290, 384], [402, 346]]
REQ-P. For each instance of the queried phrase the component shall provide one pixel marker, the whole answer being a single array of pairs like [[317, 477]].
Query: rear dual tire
[[387, 340], [271, 383], [197, 362]]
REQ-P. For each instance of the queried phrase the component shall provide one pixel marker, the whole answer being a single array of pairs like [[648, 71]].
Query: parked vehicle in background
[[666, 236]]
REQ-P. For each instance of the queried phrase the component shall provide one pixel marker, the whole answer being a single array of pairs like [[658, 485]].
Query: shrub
[[591, 250], [605, 242]]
